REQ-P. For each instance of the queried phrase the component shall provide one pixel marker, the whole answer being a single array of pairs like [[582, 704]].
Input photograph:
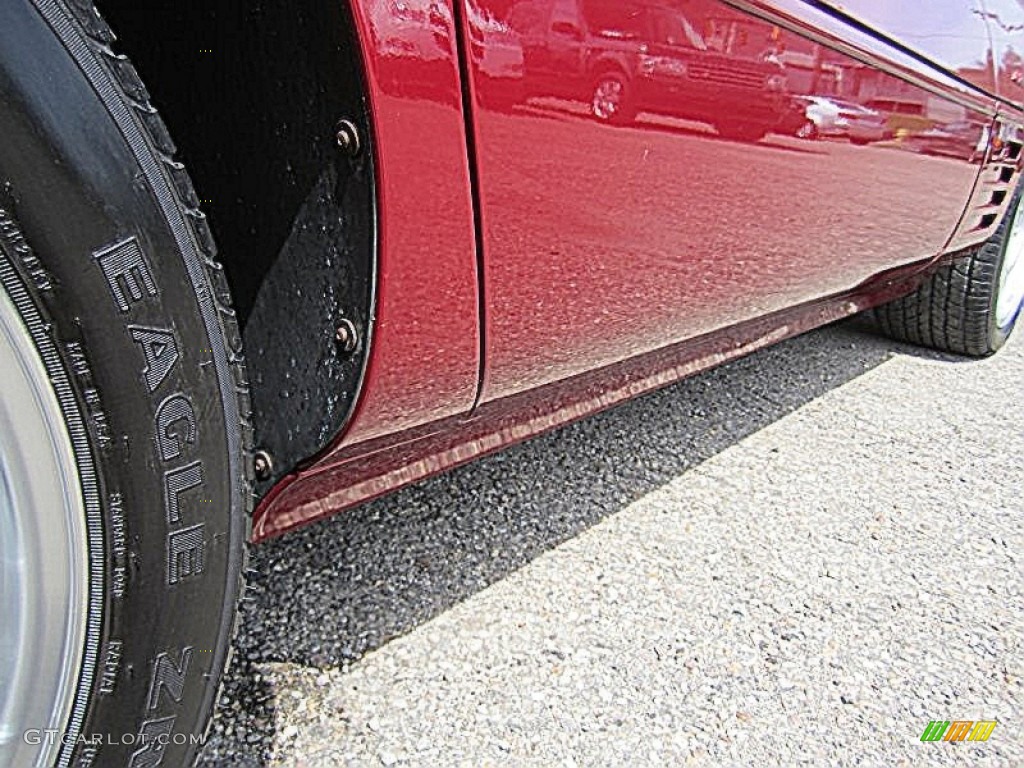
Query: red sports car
[[441, 226]]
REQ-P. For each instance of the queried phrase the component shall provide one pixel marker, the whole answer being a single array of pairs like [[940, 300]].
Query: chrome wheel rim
[[1010, 294], [607, 98], [43, 555]]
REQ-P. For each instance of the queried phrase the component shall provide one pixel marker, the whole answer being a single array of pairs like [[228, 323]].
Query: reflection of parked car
[[962, 139], [413, 30], [498, 55], [828, 116], [624, 58], [793, 120]]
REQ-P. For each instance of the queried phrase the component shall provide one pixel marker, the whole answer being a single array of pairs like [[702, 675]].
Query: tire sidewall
[[625, 113], [999, 335], [808, 130], [88, 231]]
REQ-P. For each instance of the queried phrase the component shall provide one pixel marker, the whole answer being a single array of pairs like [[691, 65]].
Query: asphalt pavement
[[800, 558]]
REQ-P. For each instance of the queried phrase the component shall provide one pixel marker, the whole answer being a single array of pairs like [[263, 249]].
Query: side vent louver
[[1002, 153], [998, 178]]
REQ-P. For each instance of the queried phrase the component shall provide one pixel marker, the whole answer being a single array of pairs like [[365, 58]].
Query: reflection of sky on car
[[952, 33], [1008, 15]]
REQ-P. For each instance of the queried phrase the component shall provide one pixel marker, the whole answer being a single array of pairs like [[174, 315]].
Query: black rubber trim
[[469, 118], [255, 112]]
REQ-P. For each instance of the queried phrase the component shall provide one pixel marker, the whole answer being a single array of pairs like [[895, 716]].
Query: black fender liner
[[252, 94]]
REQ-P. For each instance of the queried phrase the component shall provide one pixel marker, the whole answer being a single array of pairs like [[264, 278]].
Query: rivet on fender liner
[[263, 465], [346, 335], [347, 136]]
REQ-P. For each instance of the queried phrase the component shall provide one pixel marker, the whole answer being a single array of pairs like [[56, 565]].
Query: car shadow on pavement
[[326, 595]]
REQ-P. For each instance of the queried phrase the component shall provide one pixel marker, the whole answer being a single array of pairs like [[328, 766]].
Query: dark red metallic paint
[[621, 254], [424, 364], [641, 236]]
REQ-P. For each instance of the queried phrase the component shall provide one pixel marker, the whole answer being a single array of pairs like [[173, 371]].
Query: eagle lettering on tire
[[119, 318]]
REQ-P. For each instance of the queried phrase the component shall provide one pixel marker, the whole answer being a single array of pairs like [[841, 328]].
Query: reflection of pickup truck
[[624, 58]]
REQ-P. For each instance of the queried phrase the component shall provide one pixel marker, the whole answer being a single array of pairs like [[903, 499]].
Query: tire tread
[[101, 39], [952, 310]]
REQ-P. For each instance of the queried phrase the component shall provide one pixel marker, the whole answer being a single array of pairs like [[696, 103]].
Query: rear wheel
[[611, 100], [970, 305], [808, 130], [124, 443]]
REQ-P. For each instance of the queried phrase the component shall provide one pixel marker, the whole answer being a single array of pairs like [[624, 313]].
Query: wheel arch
[[252, 95], [606, 65]]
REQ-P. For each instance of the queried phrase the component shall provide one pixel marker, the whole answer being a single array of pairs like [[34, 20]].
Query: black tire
[[110, 262], [954, 310], [624, 112], [808, 130]]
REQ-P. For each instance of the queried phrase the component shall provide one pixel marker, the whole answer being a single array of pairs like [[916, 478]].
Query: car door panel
[[601, 242]]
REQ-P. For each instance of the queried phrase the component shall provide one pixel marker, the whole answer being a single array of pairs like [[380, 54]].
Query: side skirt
[[364, 471]]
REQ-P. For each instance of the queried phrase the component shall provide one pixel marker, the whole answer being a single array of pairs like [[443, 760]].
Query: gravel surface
[[797, 559]]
